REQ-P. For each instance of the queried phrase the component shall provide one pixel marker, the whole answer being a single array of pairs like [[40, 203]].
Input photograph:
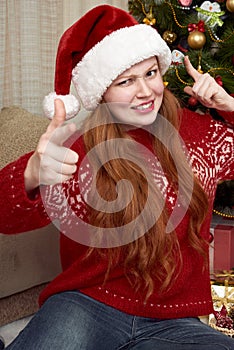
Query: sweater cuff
[[16, 187], [19, 212], [227, 116]]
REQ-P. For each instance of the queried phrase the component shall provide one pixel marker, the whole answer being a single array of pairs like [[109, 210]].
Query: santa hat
[[95, 50]]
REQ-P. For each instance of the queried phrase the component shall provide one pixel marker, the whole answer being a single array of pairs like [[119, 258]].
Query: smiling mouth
[[144, 106]]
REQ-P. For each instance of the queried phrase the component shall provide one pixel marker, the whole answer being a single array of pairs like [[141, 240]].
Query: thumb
[[59, 115], [188, 90]]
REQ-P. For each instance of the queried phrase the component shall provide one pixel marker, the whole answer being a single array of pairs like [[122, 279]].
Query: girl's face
[[136, 95]]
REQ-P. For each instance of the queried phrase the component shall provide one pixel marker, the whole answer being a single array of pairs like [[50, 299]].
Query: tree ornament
[[210, 13], [218, 80], [199, 69], [185, 2], [192, 101], [177, 57], [149, 18], [169, 36], [230, 5], [196, 40]]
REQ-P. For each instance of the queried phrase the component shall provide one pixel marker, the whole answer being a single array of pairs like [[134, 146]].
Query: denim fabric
[[2, 345], [71, 320]]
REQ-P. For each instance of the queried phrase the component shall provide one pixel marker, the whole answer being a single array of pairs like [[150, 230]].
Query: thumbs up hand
[[207, 91], [51, 162]]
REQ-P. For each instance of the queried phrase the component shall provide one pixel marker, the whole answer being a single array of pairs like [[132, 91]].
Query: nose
[[143, 88]]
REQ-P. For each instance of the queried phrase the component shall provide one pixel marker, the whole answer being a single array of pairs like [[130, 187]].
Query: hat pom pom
[[71, 104]]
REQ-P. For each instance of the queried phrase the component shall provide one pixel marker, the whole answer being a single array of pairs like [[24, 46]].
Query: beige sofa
[[28, 261]]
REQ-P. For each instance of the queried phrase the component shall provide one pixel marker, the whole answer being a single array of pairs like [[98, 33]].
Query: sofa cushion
[[20, 131], [30, 258]]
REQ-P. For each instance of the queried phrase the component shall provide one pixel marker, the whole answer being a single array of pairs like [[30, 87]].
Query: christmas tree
[[204, 31]]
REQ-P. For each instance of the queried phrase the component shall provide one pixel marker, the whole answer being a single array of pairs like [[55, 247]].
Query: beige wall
[[73, 9]]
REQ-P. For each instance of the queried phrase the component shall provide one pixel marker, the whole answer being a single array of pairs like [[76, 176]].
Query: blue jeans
[[71, 320]]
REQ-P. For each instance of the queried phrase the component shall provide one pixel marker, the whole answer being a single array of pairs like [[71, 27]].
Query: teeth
[[142, 107]]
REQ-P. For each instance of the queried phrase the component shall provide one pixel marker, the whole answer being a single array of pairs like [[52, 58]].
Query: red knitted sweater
[[210, 148]]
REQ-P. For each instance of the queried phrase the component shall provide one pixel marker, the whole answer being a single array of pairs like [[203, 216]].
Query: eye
[[125, 82], [151, 73]]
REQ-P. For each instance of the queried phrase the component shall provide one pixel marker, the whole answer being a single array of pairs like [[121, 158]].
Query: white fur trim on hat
[[71, 104], [113, 55]]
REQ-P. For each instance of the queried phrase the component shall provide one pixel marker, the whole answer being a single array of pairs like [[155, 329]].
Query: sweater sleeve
[[18, 212], [222, 143], [210, 143]]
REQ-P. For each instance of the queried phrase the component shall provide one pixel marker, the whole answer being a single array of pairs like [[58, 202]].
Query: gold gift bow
[[227, 274], [223, 300]]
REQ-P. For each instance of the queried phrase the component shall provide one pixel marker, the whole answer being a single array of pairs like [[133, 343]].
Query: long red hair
[[154, 255]]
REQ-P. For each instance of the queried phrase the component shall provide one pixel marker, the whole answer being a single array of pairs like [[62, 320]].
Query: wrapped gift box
[[222, 295], [223, 252]]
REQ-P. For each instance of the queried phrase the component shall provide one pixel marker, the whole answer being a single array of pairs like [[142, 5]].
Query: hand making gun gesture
[[206, 90], [51, 162]]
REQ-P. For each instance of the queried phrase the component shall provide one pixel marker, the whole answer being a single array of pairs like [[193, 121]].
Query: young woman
[[132, 190]]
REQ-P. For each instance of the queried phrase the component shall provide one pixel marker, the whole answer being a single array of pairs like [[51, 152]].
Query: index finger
[[190, 69], [59, 115]]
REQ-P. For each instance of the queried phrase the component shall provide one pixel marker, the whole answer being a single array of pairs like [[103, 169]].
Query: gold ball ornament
[[169, 36], [196, 40], [230, 5]]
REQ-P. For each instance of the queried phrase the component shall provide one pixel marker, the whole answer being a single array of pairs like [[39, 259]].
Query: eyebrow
[[155, 65]]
